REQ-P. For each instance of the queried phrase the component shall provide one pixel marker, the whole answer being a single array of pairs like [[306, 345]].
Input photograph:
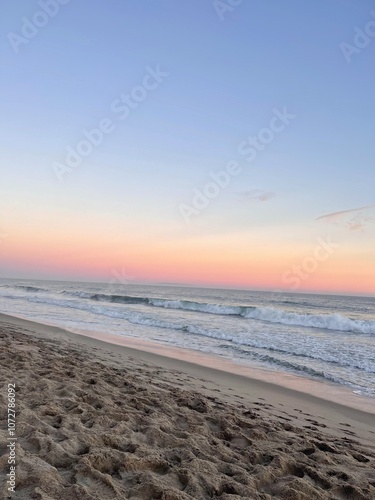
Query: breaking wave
[[270, 314], [335, 322]]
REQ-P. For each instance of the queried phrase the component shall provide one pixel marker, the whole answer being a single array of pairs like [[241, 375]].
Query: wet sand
[[97, 420]]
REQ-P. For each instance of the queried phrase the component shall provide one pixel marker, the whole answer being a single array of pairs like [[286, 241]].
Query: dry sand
[[99, 421]]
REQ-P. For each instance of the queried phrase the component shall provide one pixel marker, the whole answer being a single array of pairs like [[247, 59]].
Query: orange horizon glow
[[240, 262]]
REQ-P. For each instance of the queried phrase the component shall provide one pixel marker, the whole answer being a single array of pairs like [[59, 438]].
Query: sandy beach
[[96, 420]]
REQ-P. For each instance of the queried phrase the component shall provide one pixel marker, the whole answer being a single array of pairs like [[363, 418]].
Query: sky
[[210, 142]]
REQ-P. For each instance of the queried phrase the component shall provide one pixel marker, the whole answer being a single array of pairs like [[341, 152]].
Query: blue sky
[[224, 79]]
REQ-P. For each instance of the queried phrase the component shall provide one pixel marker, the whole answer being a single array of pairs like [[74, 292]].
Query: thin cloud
[[337, 215], [257, 195], [344, 217]]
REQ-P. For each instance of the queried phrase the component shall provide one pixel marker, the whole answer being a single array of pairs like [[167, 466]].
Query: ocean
[[322, 337]]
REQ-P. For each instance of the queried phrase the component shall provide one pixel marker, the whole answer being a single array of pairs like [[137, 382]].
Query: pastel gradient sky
[[120, 210]]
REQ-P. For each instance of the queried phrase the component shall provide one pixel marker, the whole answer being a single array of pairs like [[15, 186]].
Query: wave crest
[[335, 322], [324, 321], [270, 314]]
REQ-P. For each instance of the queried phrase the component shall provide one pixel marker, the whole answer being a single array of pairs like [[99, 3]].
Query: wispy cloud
[[362, 216], [257, 195]]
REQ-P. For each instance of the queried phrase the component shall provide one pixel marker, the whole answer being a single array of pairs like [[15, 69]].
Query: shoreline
[[97, 420], [192, 361], [246, 385]]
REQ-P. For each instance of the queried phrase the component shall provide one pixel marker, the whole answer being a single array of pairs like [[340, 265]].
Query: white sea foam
[[325, 321], [298, 333], [336, 322], [187, 305]]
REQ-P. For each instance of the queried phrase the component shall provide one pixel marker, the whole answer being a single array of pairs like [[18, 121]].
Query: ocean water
[[322, 337]]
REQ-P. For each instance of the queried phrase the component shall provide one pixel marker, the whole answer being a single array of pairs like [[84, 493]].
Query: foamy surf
[[321, 337], [273, 315]]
